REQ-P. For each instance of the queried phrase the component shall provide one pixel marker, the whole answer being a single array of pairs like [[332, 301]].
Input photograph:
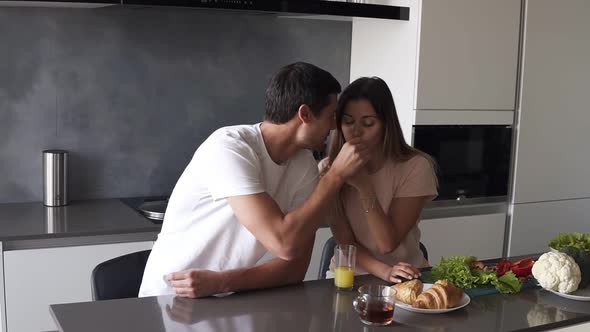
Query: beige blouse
[[412, 178]]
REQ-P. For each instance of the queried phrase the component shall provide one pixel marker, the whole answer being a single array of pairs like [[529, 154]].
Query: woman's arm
[[343, 233], [404, 211]]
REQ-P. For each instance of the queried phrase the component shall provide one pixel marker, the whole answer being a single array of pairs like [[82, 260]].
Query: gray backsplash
[[132, 92]]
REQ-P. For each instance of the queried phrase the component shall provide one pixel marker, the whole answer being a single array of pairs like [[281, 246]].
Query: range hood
[[309, 8], [341, 8]]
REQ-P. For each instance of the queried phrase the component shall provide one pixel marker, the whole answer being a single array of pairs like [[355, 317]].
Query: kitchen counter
[[314, 306], [33, 225]]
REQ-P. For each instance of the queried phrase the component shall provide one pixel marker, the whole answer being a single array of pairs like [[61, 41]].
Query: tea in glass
[[375, 304]]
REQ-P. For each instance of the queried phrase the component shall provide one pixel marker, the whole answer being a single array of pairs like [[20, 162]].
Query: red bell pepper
[[523, 267], [502, 267]]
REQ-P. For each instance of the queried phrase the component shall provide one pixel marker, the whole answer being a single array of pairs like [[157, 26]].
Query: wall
[[131, 93]]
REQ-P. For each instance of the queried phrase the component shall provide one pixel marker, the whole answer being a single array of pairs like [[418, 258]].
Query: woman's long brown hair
[[377, 93]]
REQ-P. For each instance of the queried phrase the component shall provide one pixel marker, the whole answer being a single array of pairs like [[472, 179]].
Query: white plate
[[464, 301], [579, 295]]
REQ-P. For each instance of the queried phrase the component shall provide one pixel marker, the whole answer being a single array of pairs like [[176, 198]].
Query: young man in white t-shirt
[[250, 189]]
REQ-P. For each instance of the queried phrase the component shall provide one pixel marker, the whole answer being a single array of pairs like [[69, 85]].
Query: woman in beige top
[[378, 209]]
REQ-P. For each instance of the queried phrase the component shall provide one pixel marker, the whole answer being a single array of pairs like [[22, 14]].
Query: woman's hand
[[403, 270]]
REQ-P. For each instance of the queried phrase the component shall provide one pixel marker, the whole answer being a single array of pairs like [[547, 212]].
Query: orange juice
[[343, 277]]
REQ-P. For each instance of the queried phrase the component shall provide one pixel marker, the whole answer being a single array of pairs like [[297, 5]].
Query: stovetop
[[136, 202]]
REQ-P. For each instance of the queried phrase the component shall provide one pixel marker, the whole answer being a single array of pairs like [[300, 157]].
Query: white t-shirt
[[200, 229]]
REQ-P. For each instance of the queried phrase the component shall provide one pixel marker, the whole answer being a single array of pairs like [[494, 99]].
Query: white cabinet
[[36, 278], [552, 148], [480, 235], [534, 224], [468, 54], [451, 57]]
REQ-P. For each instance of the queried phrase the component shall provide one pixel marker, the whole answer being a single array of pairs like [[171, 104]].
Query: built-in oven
[[473, 161]]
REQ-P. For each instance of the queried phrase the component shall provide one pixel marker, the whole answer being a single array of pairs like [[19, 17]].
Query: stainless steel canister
[[55, 177]]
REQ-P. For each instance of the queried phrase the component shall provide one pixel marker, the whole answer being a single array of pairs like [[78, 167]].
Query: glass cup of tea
[[345, 260], [375, 304]]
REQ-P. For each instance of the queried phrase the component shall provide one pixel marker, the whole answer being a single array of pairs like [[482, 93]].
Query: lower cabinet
[[36, 278], [535, 224], [480, 235]]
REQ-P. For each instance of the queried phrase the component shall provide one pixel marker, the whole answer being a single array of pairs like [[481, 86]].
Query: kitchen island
[[61, 246], [315, 306]]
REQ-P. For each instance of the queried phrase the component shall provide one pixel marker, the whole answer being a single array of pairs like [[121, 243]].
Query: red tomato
[[523, 267], [502, 267]]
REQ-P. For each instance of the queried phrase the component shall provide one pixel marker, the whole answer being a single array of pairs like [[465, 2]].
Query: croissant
[[442, 295], [408, 291]]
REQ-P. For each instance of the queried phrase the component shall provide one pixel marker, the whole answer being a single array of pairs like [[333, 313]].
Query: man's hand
[[195, 283], [182, 310], [351, 158]]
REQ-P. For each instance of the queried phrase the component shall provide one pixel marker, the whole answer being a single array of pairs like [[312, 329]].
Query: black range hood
[[301, 7]]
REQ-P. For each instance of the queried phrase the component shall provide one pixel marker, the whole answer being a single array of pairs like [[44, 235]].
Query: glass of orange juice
[[345, 260]]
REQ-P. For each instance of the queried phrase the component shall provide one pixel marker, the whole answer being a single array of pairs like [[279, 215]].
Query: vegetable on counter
[[582, 258], [467, 272], [558, 272], [522, 268], [576, 240]]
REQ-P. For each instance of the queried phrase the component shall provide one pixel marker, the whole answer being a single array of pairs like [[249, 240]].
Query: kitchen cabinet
[[468, 54], [451, 57], [551, 186], [478, 235], [534, 224], [36, 278], [552, 151]]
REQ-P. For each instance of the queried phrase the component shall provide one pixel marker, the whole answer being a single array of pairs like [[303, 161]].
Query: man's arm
[[281, 233], [195, 283], [275, 272]]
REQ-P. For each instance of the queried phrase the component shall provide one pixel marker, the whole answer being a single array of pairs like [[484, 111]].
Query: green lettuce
[[457, 269], [582, 258], [484, 277], [576, 240], [508, 283]]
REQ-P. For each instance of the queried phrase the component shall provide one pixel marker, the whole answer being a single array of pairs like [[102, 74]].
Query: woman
[[378, 209]]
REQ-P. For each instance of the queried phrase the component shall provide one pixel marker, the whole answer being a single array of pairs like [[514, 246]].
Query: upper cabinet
[[450, 57], [468, 54], [552, 155]]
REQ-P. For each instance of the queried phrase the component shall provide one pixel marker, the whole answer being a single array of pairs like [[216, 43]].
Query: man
[[250, 189]]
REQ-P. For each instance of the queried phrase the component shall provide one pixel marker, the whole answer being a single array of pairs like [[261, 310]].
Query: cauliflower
[[558, 272]]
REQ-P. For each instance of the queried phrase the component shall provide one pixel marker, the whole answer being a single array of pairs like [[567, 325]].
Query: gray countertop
[[21, 222], [314, 306], [33, 225]]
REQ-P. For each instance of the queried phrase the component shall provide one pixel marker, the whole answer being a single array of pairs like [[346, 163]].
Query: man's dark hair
[[296, 84]]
